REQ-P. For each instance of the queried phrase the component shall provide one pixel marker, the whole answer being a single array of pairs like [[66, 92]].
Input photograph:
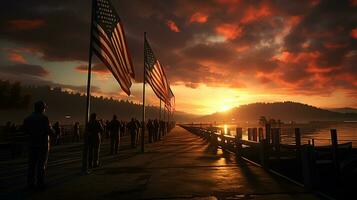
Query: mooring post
[[334, 149], [260, 133], [298, 144], [267, 133], [239, 132], [222, 138], [308, 166], [214, 139], [263, 153], [255, 134], [276, 140]]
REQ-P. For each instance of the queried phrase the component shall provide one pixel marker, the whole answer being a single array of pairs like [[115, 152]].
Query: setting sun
[[225, 108]]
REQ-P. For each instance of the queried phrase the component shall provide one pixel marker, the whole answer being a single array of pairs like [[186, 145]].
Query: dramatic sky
[[217, 53]]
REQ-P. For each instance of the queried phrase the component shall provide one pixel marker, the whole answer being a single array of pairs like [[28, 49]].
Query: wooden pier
[[181, 166], [329, 169]]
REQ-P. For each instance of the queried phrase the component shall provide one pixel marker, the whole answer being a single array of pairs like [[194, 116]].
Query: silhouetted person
[[106, 130], [114, 128], [122, 128], [57, 129], [132, 128], [94, 129], [76, 132], [156, 129], [138, 126], [37, 126], [150, 128]]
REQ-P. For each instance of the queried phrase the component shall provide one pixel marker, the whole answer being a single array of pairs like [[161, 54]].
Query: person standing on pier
[[138, 126], [94, 129], [150, 128], [122, 128], [156, 129], [57, 129], [113, 129], [76, 132], [132, 127], [37, 126]]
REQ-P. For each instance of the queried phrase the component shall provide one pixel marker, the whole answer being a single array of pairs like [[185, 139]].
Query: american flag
[[171, 104], [109, 43], [155, 74]]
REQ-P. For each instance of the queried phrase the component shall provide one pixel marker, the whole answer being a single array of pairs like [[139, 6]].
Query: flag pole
[[85, 134], [143, 114]]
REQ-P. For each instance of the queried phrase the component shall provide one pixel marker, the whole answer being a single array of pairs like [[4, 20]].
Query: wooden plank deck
[[181, 166]]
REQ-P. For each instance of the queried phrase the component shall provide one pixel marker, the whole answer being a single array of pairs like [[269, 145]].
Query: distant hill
[[343, 110], [285, 111], [69, 107]]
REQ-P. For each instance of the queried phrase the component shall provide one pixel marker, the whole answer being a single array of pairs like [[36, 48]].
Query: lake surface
[[319, 131]]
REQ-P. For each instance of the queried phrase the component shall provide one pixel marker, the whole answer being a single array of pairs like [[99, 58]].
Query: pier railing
[[315, 167]]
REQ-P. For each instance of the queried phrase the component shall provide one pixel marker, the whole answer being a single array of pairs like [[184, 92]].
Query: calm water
[[319, 131]]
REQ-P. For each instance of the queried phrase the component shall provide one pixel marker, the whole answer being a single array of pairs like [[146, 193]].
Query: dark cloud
[[210, 42], [24, 69]]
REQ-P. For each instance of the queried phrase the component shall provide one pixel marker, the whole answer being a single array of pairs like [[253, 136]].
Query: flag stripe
[[105, 55], [107, 61], [105, 43], [109, 44], [104, 60], [120, 32]]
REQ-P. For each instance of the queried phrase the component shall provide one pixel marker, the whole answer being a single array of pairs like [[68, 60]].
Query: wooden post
[[308, 166], [263, 153], [239, 141], [260, 132], [222, 138], [255, 134], [334, 149], [214, 139], [275, 132], [268, 133], [298, 144]]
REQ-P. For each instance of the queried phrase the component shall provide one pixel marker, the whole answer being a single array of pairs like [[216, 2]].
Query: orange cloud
[[252, 13], [199, 17], [99, 69], [288, 57], [354, 33], [228, 1], [242, 48], [229, 31], [16, 58], [172, 26], [26, 24], [332, 45]]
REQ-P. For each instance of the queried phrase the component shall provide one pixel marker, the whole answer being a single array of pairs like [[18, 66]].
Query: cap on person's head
[[40, 106]]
